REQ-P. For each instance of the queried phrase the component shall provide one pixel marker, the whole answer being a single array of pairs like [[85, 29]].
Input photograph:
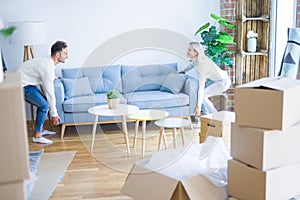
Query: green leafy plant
[[214, 41], [7, 32], [113, 94]]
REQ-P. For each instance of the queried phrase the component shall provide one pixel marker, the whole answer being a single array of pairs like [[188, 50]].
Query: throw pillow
[[173, 83], [77, 87]]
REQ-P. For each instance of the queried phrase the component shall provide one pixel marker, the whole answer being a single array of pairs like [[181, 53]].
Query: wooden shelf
[[265, 18], [261, 52], [255, 16]]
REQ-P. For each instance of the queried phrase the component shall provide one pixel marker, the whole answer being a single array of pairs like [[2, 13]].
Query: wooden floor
[[101, 175]]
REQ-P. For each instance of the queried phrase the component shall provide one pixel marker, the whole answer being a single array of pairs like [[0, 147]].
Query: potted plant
[[214, 41], [252, 40], [113, 98], [5, 32]]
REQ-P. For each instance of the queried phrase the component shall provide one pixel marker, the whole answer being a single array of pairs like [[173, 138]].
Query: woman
[[212, 80]]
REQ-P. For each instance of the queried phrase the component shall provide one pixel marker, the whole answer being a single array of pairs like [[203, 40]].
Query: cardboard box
[[270, 103], [13, 191], [217, 124], [248, 183], [144, 184], [14, 142], [265, 149]]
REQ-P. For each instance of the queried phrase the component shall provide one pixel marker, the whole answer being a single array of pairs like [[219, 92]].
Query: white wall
[[86, 24]]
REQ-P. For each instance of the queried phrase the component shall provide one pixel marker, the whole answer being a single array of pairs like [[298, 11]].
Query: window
[[284, 17]]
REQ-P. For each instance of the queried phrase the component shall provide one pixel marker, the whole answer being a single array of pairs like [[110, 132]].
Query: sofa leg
[[62, 132]]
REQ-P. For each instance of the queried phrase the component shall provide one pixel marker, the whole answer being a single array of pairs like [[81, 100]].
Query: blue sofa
[[158, 86]]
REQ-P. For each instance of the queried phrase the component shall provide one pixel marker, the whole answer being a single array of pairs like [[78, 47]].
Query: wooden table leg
[[136, 132], [182, 135], [160, 137], [125, 131], [164, 137], [174, 137], [94, 131], [143, 137]]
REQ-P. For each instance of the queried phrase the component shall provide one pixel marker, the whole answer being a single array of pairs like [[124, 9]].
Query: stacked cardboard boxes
[[14, 143], [265, 141]]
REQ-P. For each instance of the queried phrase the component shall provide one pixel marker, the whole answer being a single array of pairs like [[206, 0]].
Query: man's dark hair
[[57, 47]]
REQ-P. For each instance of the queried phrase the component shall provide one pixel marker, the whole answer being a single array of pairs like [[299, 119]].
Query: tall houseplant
[[5, 33], [214, 41]]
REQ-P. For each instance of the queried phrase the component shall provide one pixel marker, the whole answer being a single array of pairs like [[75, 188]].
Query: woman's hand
[[198, 111]]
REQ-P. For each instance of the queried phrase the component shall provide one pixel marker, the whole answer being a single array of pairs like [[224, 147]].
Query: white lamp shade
[[28, 33]]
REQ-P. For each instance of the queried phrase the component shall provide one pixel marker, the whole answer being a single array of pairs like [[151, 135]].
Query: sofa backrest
[[146, 77], [101, 78]]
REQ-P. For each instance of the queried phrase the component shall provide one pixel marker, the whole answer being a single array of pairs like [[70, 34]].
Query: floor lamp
[[29, 34]]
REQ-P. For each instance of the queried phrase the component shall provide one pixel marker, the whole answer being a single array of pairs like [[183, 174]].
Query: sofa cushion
[[156, 99], [102, 78], [146, 77], [173, 83], [83, 103], [76, 87]]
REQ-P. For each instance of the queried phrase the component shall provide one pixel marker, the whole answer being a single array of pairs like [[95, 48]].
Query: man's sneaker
[[46, 132], [42, 140]]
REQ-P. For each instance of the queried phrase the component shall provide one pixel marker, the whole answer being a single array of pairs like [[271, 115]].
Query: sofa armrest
[[190, 88], [59, 92]]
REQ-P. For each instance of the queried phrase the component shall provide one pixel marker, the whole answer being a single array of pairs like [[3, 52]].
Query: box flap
[[223, 116], [198, 187], [144, 184], [256, 83], [272, 83], [180, 193]]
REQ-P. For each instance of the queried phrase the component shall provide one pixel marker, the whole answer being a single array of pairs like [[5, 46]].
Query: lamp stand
[[28, 53]]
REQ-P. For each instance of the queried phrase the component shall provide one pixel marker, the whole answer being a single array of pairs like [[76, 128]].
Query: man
[[40, 71]]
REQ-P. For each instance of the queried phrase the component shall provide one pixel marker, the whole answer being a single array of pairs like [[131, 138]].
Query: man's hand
[[198, 111], [56, 120]]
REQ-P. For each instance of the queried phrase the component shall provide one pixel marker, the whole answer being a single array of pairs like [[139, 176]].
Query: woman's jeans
[[213, 88], [34, 96]]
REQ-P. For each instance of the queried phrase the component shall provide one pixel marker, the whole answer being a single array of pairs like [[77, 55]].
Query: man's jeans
[[34, 96]]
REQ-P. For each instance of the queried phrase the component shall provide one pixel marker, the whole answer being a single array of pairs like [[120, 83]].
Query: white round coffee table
[[144, 116], [103, 110], [172, 123]]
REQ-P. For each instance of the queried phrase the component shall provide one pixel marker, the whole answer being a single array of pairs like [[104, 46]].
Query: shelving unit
[[252, 15]]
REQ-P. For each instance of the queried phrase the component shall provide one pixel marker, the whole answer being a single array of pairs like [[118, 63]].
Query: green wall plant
[[214, 41]]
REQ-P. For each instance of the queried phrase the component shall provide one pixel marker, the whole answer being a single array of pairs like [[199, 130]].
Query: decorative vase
[[252, 45], [113, 103]]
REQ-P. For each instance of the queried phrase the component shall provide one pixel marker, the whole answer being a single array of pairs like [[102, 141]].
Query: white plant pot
[[113, 103], [252, 45]]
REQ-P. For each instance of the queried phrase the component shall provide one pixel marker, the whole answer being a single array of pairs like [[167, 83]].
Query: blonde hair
[[198, 48]]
